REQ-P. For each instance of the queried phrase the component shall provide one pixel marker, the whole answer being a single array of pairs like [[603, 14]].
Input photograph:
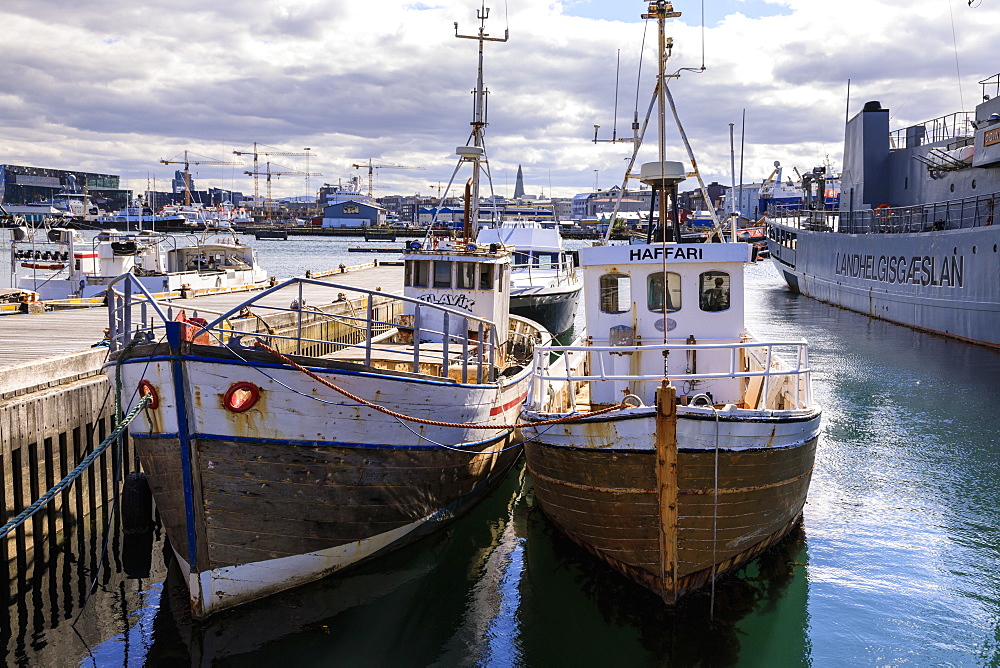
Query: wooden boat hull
[[608, 499], [295, 489]]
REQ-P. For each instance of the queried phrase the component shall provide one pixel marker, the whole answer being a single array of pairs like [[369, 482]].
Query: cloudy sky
[[115, 87]]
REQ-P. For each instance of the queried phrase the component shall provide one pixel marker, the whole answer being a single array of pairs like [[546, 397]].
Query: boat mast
[[478, 122]]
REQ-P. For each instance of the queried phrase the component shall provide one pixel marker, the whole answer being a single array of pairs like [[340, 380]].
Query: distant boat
[[138, 218], [270, 233], [545, 285], [60, 263], [380, 233], [689, 445]]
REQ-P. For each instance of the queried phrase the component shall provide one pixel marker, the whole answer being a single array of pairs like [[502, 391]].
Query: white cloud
[[114, 90]]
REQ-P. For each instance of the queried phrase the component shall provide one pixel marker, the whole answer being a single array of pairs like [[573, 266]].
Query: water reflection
[[500, 587]]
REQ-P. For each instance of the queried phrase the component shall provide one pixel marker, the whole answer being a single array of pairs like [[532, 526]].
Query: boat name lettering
[[991, 136], [945, 271], [458, 301], [671, 252]]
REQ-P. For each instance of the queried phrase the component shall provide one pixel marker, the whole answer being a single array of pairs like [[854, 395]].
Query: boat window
[[658, 292], [521, 259], [442, 274], [465, 275], [420, 273], [486, 277], [545, 260], [616, 293], [714, 291]]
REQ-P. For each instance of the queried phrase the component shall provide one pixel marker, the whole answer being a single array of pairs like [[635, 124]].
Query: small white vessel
[[545, 285], [60, 263]]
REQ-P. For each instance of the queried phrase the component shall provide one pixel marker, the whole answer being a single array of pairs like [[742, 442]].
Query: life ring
[[883, 211]]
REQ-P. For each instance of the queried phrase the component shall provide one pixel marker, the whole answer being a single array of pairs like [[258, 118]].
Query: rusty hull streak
[[246, 424], [735, 490], [609, 490]]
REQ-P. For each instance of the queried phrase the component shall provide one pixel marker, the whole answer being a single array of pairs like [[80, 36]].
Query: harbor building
[[22, 185], [353, 213]]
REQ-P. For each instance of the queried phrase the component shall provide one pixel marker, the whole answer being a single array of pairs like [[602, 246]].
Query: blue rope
[[75, 473]]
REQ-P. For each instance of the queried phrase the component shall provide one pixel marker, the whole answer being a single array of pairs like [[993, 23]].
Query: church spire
[[519, 184]]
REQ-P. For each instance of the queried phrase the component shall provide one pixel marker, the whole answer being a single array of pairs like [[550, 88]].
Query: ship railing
[[765, 365], [951, 126], [563, 271], [968, 212], [436, 340]]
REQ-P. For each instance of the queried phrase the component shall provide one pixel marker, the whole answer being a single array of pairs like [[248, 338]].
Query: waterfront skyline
[[115, 93]]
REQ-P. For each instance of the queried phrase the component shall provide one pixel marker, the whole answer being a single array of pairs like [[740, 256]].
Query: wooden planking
[[261, 501], [599, 469], [696, 470], [161, 464], [761, 494]]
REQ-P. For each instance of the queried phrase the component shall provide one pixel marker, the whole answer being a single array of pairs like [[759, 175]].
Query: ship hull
[[295, 489], [937, 281], [597, 480]]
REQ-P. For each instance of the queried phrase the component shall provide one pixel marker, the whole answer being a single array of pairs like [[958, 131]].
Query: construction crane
[[372, 167], [187, 162], [256, 169], [269, 173]]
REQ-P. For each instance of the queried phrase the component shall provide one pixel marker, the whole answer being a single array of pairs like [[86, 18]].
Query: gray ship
[[914, 240]]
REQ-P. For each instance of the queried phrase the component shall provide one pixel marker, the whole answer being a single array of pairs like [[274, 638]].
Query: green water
[[896, 562]]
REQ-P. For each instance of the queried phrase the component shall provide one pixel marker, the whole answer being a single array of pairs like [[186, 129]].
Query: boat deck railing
[[746, 360], [562, 272], [375, 329], [952, 126], [954, 214]]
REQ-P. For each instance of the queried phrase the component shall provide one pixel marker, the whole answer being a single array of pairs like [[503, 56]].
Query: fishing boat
[[280, 233], [545, 286], [380, 233], [59, 263], [303, 432], [914, 240], [706, 458]]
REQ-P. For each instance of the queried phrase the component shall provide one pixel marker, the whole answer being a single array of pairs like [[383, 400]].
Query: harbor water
[[896, 561]]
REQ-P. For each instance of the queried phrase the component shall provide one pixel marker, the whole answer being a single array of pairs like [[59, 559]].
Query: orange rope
[[435, 423]]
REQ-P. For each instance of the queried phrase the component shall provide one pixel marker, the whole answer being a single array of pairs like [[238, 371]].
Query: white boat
[[690, 443], [545, 285], [301, 433], [60, 263], [137, 218]]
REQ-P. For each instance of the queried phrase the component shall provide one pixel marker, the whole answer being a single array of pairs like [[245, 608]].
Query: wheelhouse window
[[616, 293], [714, 291], [663, 296], [442, 274], [417, 273], [465, 275], [486, 277]]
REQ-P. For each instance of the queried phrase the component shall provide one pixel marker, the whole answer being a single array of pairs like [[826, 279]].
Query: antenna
[[618, 64]]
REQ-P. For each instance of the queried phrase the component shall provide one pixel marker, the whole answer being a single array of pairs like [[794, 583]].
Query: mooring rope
[[434, 423], [23, 516]]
